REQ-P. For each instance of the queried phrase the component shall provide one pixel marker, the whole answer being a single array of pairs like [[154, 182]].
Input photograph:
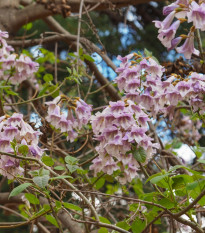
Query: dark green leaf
[[140, 154]]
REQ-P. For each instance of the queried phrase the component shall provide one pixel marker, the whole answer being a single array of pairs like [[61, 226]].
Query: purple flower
[[167, 35], [188, 47], [175, 42], [165, 24], [168, 9], [197, 15]]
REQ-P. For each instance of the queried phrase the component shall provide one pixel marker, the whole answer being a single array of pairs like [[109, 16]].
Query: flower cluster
[[68, 121], [141, 80], [14, 133], [183, 10], [121, 130], [14, 68]]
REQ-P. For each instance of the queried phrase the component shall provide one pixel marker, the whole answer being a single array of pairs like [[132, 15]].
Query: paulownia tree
[[80, 153]]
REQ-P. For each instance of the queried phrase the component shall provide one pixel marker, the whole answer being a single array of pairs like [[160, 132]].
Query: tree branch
[[55, 26]]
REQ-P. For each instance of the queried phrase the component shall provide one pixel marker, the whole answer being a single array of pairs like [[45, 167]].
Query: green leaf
[[72, 206], [58, 204], [48, 78], [52, 220], [138, 226], [59, 168], [166, 203], [176, 167], [69, 70], [72, 54], [192, 185], [41, 181], [23, 149], [158, 178], [123, 225], [140, 154], [43, 91], [178, 183], [47, 161], [9, 92], [80, 51], [32, 198], [99, 184], [104, 220], [201, 160], [53, 88], [72, 168], [43, 172], [89, 58], [61, 177], [103, 230], [46, 207], [70, 160], [147, 53], [28, 26], [19, 189]]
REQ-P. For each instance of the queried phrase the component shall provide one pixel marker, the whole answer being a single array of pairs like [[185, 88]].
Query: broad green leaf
[[123, 225], [19, 189], [48, 77], [43, 172], [70, 160], [41, 181], [99, 184], [178, 183], [23, 149], [103, 230], [192, 185], [166, 203], [72, 168], [158, 178], [32, 198], [140, 154], [72, 206], [47, 161], [46, 207], [138, 226], [52, 220], [151, 177], [104, 220]]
